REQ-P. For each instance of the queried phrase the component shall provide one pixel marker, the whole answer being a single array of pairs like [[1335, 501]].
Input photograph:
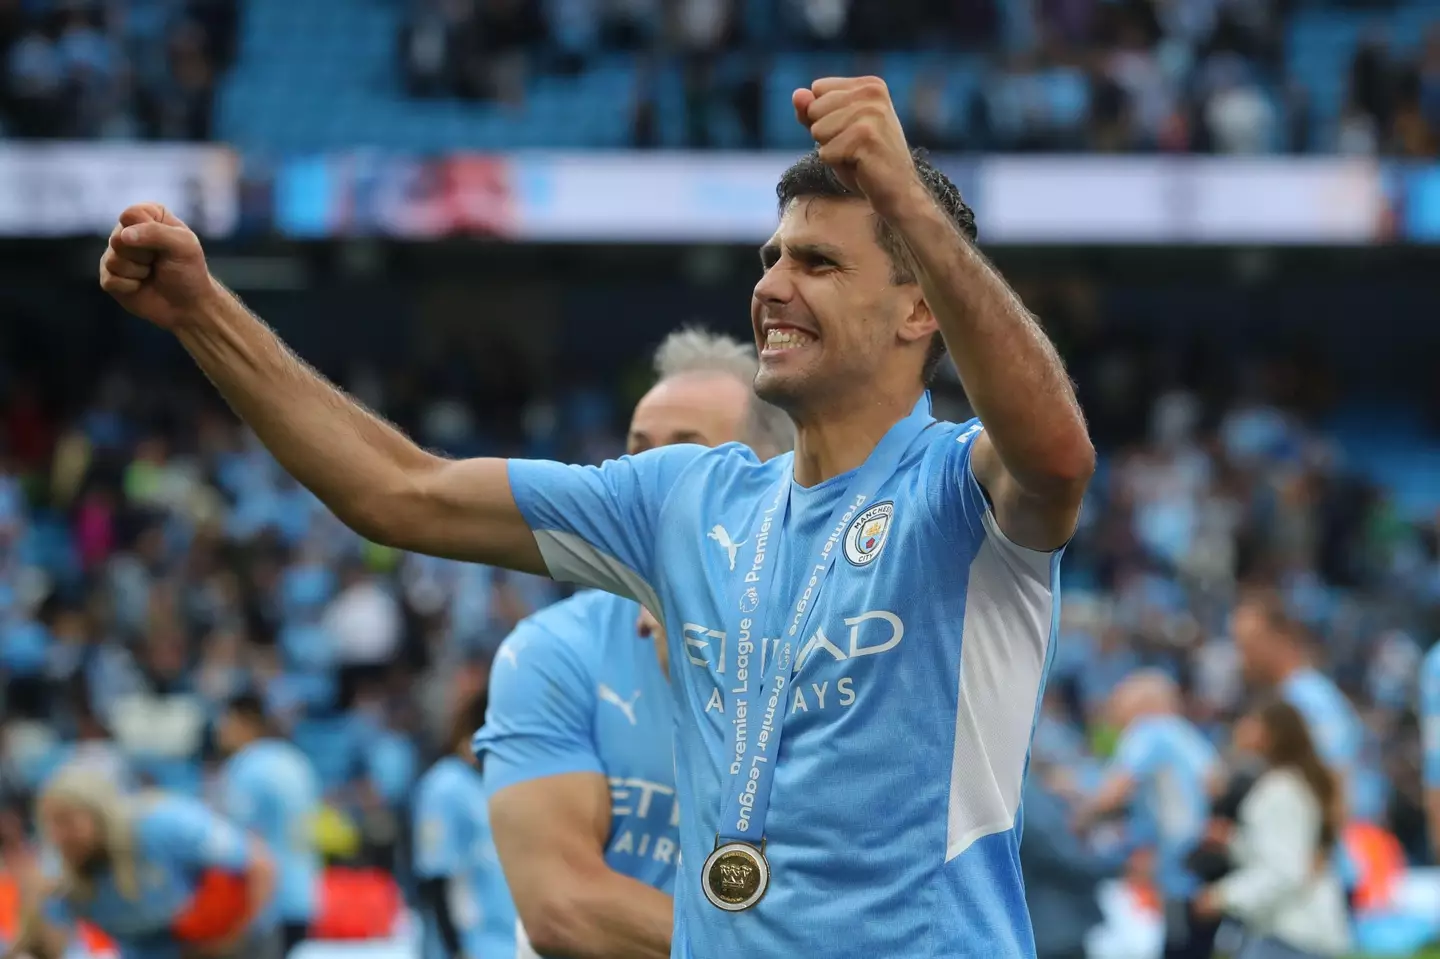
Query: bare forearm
[[608, 917], [1011, 372], [347, 456]]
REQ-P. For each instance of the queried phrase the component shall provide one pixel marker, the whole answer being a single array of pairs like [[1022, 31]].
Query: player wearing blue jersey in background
[[465, 903], [889, 594], [1164, 771], [577, 741], [269, 787], [1275, 656], [131, 866], [1429, 709]]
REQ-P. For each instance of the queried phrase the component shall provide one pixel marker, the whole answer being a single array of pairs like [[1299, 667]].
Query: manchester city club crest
[[866, 536]]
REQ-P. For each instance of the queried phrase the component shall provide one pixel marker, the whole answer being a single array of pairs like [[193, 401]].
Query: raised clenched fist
[[154, 267], [854, 123]]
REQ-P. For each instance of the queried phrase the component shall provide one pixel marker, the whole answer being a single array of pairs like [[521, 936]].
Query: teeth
[[786, 339]]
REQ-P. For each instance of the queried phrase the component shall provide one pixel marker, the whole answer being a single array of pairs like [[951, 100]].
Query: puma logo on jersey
[[722, 536], [627, 707]]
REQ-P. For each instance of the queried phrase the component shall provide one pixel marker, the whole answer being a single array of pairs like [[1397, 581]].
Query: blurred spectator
[[1062, 873], [1285, 888], [364, 623], [124, 70]]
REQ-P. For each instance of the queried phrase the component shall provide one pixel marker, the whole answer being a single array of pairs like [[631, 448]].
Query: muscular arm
[[373, 477], [1034, 458], [551, 834]]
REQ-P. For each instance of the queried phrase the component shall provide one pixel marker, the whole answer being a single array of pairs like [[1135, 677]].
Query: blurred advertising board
[[730, 198], [77, 189]]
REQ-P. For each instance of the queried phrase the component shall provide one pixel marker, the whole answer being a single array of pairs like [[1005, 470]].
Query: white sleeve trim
[[571, 559], [1034, 563]]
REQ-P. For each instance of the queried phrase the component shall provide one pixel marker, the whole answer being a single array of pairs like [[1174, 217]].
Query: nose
[[775, 287]]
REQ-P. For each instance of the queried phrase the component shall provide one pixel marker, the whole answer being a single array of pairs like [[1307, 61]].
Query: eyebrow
[[801, 251]]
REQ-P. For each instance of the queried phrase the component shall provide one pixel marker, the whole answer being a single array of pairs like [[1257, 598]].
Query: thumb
[[159, 237]]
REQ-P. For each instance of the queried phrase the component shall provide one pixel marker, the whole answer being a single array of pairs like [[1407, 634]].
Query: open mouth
[[780, 339]]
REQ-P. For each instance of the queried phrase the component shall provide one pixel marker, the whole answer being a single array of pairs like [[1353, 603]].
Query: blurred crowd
[[113, 69], [155, 562], [1106, 75]]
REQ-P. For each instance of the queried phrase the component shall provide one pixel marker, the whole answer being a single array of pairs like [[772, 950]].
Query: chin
[[784, 390]]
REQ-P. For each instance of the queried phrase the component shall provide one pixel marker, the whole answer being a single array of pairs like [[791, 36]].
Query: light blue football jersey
[[1429, 709], [1171, 763], [453, 841], [1339, 737], [271, 789], [894, 825], [176, 839], [574, 689]]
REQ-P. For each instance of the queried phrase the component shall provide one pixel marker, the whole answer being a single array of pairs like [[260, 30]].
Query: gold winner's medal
[[735, 876]]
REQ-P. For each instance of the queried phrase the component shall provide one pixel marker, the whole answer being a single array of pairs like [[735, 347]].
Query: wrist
[[906, 202], [211, 309]]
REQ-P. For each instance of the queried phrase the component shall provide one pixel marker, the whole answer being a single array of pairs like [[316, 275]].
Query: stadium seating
[[330, 77]]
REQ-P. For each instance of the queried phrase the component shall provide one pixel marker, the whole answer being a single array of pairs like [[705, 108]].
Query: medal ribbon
[[760, 698]]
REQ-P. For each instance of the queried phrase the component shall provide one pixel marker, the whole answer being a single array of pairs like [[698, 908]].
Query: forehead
[[847, 223], [689, 397]]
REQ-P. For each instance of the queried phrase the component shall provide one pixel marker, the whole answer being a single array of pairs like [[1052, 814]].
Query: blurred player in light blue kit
[[270, 788], [465, 904], [1164, 770], [1275, 656], [577, 741], [132, 866]]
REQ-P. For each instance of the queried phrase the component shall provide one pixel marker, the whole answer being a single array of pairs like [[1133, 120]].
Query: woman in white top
[[1285, 890]]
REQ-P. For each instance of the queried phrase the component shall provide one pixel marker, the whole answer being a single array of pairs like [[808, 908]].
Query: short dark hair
[[812, 177], [249, 707]]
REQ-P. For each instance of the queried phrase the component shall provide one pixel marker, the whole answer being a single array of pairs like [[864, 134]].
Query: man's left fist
[[855, 125]]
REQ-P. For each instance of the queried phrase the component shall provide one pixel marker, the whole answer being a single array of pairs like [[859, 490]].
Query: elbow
[[1074, 464], [556, 922], [551, 927], [1063, 473]]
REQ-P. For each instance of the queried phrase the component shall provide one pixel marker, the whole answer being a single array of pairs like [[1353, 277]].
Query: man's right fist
[[154, 267]]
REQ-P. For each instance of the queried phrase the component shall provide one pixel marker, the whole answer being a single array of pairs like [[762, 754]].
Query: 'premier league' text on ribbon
[[748, 798]]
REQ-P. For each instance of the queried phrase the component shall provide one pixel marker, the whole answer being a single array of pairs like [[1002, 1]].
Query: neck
[[841, 439]]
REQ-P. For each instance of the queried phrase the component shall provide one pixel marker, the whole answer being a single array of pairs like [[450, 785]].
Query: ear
[[919, 323]]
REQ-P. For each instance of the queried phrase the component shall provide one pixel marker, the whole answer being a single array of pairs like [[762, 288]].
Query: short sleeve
[[242, 806], [1328, 723], [188, 833], [963, 509], [597, 525], [438, 845], [540, 720], [1135, 752], [1430, 720]]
